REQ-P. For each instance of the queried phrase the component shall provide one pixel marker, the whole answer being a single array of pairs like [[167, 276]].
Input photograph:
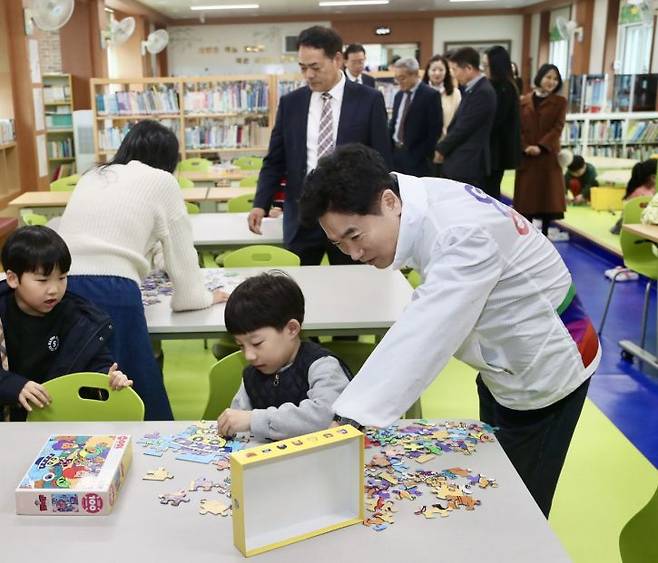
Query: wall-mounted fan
[[119, 31], [568, 29], [155, 42], [48, 15]]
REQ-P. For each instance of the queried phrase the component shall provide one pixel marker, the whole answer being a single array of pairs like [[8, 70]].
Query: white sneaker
[[556, 235], [624, 275]]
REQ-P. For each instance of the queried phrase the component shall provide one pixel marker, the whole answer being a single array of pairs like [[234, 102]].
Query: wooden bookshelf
[[209, 114], [58, 102], [9, 175]]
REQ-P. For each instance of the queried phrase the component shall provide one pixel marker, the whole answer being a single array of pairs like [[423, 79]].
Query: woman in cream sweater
[[118, 215]]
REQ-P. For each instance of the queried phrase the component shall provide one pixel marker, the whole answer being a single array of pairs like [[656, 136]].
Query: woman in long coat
[[539, 184]]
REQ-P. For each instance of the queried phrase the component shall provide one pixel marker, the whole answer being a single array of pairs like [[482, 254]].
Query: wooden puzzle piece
[[174, 499], [214, 507], [425, 458], [379, 460], [159, 474], [431, 511]]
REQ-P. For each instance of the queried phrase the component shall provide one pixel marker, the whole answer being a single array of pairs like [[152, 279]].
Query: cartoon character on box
[[65, 503]]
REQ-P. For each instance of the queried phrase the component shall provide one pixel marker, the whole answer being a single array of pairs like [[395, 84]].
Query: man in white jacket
[[495, 294]]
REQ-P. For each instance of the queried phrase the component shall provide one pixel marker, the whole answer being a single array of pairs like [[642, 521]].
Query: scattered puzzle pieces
[[203, 484], [174, 499], [215, 507], [159, 474]]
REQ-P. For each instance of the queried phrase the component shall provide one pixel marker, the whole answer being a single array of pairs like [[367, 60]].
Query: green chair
[[638, 257], [240, 204], [194, 165], [65, 184], [68, 402], [249, 182], [637, 540], [192, 208], [260, 255], [33, 219], [414, 279], [225, 378], [248, 162], [185, 183]]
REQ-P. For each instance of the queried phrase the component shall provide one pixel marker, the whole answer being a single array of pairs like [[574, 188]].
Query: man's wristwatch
[[342, 420]]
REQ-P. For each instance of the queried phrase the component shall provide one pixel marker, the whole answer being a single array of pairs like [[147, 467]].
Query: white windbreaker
[[491, 287]]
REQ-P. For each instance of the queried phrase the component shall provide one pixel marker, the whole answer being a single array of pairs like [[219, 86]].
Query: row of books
[[164, 100], [636, 152], [7, 131], [229, 97], [110, 138], [248, 134], [63, 170], [287, 86], [60, 149], [55, 94], [639, 131], [642, 131]]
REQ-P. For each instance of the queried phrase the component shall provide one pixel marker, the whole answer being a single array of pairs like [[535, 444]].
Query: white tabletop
[[507, 527], [339, 299], [617, 177], [230, 229]]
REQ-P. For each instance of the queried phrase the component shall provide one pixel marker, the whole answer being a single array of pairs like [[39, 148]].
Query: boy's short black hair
[[466, 56], [349, 180], [35, 249], [320, 37], [270, 299], [576, 164]]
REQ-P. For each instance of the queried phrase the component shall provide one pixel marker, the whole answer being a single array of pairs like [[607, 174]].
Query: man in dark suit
[[355, 62], [464, 151], [417, 121], [310, 122]]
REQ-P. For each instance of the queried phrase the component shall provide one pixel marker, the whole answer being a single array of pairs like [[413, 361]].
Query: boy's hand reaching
[[118, 380], [232, 421], [33, 393]]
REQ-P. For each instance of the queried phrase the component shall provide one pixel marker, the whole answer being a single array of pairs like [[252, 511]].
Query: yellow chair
[[71, 400], [224, 378], [65, 184], [248, 162], [185, 183], [249, 182], [194, 165], [260, 255], [33, 219], [240, 204]]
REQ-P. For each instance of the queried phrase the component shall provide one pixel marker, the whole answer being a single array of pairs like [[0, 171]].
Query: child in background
[[642, 183], [579, 178], [290, 385], [47, 331]]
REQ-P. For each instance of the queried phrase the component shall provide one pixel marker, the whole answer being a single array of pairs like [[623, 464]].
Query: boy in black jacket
[[44, 331]]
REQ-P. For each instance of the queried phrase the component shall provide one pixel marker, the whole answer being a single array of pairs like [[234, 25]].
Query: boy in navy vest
[[290, 385], [45, 331]]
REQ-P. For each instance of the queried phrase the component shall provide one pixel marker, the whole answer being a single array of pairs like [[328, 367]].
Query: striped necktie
[[326, 143]]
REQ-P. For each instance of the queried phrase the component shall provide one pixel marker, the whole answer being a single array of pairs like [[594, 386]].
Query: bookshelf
[[58, 103], [385, 83], [210, 115], [615, 135]]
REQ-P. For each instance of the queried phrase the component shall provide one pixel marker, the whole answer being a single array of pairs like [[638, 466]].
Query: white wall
[[480, 28], [198, 50], [598, 36]]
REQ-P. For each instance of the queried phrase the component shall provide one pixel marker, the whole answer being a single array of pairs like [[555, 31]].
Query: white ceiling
[[177, 9]]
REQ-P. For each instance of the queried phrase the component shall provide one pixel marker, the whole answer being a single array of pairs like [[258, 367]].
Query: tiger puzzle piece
[[203, 484], [159, 474], [215, 507], [174, 499]]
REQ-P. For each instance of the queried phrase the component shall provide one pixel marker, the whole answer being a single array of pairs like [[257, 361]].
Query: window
[[558, 54], [634, 38]]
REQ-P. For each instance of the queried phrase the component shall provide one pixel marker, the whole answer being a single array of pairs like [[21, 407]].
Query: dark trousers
[[408, 163], [535, 441], [491, 184]]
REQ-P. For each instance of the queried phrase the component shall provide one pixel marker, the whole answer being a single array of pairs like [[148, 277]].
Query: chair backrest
[[194, 165], [240, 204], [353, 353], [637, 540], [185, 183], [637, 253], [225, 378], [260, 255], [192, 208], [33, 219], [65, 184], [414, 279], [248, 162], [249, 182], [70, 403]]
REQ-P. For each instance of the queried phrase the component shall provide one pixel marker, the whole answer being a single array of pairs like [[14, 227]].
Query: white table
[[339, 300], [507, 527], [222, 230], [614, 177]]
